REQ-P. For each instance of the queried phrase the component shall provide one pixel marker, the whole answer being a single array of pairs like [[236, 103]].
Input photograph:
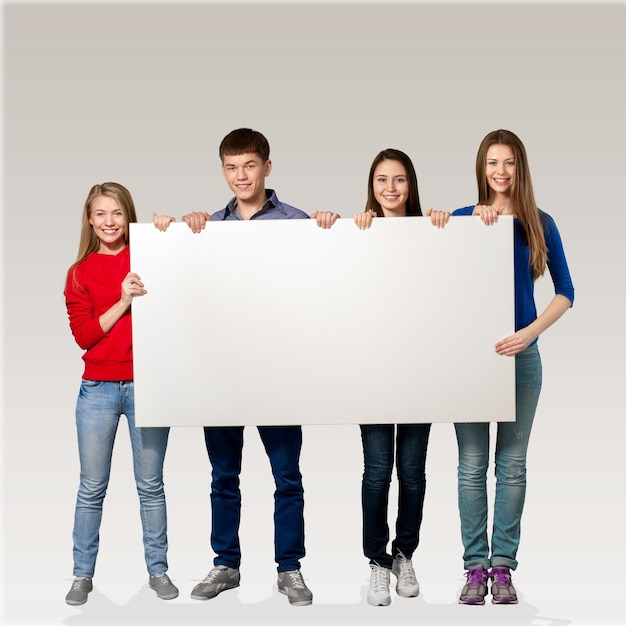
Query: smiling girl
[[99, 292], [392, 192], [504, 188]]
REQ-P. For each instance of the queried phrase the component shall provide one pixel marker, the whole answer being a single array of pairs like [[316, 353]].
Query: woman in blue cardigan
[[504, 188]]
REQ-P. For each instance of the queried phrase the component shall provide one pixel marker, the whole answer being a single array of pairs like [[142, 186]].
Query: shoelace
[[476, 576], [77, 583], [162, 577], [500, 575], [213, 573], [407, 573], [380, 580], [296, 579]]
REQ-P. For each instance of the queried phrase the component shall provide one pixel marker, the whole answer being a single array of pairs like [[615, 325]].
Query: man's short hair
[[245, 140]]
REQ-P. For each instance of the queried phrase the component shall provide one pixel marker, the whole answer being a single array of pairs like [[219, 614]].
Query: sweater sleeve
[[466, 210], [557, 262], [84, 322]]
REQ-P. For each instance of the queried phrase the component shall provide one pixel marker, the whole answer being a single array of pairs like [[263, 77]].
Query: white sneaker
[[378, 593], [407, 585]]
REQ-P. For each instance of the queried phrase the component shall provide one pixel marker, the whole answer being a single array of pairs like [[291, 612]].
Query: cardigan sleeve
[[557, 262]]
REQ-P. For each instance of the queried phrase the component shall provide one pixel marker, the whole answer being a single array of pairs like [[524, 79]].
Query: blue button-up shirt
[[273, 209]]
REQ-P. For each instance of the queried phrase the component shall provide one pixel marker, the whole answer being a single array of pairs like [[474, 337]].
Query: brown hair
[[413, 201], [522, 196], [245, 140]]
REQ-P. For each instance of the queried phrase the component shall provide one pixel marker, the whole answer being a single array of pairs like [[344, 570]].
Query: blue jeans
[[410, 457], [98, 410], [282, 445], [510, 472]]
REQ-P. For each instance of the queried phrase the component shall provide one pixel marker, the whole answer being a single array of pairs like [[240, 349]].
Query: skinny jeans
[[99, 407], [510, 473], [382, 444]]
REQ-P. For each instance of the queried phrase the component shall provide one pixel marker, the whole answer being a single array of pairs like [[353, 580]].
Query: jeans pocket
[[89, 386]]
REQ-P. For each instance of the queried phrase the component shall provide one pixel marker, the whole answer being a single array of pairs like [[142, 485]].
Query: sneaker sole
[[472, 602], [212, 594], [504, 601], [404, 594], [201, 597], [295, 602], [170, 596], [385, 602]]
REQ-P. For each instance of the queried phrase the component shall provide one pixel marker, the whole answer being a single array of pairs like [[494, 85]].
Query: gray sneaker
[[475, 588], [502, 588], [164, 587], [219, 579], [293, 586], [407, 585], [79, 591]]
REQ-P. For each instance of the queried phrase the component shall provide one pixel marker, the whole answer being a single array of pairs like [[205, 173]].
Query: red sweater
[[90, 291]]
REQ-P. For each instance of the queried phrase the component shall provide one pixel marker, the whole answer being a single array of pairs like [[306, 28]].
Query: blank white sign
[[282, 322]]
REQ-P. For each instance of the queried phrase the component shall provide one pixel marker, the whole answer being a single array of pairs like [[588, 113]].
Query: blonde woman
[[99, 292]]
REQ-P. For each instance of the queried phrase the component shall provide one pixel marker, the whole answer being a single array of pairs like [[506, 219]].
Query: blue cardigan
[[525, 309]]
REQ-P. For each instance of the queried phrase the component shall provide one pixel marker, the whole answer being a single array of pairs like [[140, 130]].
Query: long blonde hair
[[89, 242], [522, 195]]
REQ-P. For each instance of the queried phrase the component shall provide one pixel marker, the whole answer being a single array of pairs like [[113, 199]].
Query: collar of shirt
[[271, 203]]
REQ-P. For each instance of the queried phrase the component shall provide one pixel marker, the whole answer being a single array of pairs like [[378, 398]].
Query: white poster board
[[282, 322]]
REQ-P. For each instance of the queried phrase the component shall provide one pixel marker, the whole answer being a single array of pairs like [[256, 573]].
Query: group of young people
[[99, 291]]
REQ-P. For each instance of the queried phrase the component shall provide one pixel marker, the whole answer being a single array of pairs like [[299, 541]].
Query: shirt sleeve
[[84, 323], [557, 263]]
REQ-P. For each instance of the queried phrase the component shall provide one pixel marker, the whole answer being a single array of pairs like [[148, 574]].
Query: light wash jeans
[[510, 472], [98, 410]]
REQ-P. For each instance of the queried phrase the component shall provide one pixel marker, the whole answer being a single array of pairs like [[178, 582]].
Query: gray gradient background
[[143, 94]]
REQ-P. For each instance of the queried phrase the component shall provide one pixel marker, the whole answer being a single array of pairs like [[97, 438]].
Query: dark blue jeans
[[282, 445], [411, 443]]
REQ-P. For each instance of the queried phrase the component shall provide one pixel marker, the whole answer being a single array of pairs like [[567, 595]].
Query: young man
[[245, 164]]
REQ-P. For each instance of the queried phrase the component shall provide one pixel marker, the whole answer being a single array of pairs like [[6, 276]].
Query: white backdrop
[[142, 93], [281, 322]]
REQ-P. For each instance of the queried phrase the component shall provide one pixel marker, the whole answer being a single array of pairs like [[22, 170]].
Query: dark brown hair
[[413, 201], [245, 140]]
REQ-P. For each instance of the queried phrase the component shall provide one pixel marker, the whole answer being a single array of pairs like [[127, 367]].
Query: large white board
[[282, 322]]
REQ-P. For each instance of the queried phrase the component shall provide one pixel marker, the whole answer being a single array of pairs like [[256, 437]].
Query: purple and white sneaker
[[475, 588], [502, 589]]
